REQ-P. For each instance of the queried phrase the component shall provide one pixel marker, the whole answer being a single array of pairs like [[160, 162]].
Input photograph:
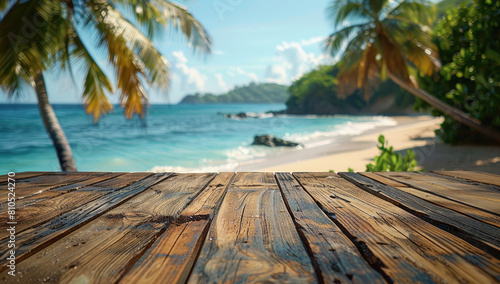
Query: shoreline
[[341, 152], [411, 132]]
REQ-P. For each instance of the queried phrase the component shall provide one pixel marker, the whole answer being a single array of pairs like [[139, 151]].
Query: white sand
[[416, 133]]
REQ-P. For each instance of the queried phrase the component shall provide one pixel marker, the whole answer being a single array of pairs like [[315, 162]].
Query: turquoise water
[[172, 137]]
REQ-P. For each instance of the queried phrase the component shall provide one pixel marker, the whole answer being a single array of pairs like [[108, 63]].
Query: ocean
[[181, 138]]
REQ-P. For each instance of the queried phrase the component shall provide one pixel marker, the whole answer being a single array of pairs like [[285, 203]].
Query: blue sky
[[253, 40]]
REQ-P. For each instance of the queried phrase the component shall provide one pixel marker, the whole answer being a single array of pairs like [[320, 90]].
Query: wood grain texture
[[390, 237], [38, 184], [470, 211], [481, 177], [469, 194], [20, 176], [34, 239], [255, 227], [253, 238], [105, 248], [48, 194], [171, 258], [477, 233], [336, 256], [33, 211]]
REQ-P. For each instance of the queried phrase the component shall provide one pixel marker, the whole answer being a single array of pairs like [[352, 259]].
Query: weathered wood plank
[[337, 258], [253, 238], [30, 214], [390, 237], [34, 199], [470, 211], [479, 234], [38, 184], [481, 177], [20, 176], [34, 239], [172, 256], [465, 193], [102, 250]]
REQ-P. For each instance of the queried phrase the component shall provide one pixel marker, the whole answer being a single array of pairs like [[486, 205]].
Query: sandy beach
[[411, 132]]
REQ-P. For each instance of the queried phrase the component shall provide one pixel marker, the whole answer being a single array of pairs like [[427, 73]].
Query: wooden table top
[[385, 227]]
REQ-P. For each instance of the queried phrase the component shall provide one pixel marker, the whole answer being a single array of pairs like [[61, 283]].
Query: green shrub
[[468, 37], [390, 161]]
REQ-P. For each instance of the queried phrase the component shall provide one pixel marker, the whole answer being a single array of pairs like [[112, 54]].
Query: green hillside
[[445, 5], [316, 93], [253, 93]]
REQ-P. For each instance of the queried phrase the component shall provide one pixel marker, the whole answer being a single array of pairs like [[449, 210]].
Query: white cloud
[[179, 57], [276, 74], [311, 41], [218, 52], [189, 78], [240, 71], [221, 82], [293, 62]]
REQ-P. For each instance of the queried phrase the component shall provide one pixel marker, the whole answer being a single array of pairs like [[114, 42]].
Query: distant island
[[255, 93], [314, 93]]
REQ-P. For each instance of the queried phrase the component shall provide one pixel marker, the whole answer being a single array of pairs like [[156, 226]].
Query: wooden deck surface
[[391, 227]]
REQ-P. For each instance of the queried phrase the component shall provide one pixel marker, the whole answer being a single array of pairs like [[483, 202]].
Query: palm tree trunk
[[448, 110], [53, 127]]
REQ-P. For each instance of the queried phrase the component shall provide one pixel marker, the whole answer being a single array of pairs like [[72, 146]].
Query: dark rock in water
[[277, 112], [242, 115], [237, 115], [271, 141]]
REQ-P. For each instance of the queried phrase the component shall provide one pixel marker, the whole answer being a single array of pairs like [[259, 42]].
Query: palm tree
[[389, 39], [40, 35]]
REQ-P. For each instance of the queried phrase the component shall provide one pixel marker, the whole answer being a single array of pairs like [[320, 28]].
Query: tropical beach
[[232, 141], [335, 100], [328, 142]]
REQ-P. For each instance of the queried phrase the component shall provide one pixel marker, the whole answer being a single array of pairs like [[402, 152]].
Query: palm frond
[[367, 67], [392, 57], [333, 43], [376, 6], [415, 43], [154, 15], [353, 52], [342, 10], [30, 46], [5, 4], [96, 83], [395, 37], [147, 15], [16, 86], [94, 98], [131, 53], [118, 35], [419, 11], [351, 67], [183, 21]]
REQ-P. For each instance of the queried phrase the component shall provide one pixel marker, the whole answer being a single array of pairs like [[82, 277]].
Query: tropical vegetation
[[468, 38], [387, 39], [317, 93], [261, 93], [39, 36], [388, 160]]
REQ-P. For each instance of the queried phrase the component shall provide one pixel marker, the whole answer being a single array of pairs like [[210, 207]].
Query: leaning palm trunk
[[448, 110], [53, 127]]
